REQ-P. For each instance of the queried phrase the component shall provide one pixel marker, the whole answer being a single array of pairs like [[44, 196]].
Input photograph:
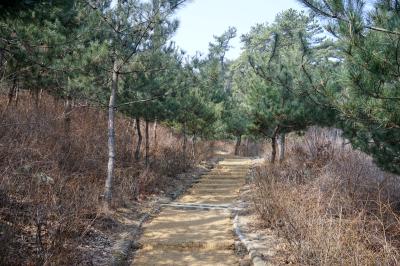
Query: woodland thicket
[[335, 65]]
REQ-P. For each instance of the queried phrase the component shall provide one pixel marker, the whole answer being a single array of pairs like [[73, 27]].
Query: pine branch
[[145, 32], [144, 100], [331, 15]]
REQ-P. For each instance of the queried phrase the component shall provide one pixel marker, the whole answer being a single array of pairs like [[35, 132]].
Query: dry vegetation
[[331, 204], [52, 178]]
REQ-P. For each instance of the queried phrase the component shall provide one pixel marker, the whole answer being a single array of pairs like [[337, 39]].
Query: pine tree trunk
[[194, 139], [55, 102], [2, 65], [66, 141], [238, 143], [147, 144], [155, 135], [1, 61], [111, 138], [343, 141], [247, 147], [282, 140], [184, 147], [36, 98], [273, 151], [133, 137], [134, 128], [139, 142], [41, 95], [17, 95], [67, 117], [12, 90]]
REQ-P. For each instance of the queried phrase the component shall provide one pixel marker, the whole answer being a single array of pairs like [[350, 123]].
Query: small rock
[[42, 177]]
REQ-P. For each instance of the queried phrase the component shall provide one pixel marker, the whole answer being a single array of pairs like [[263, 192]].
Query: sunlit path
[[197, 228]]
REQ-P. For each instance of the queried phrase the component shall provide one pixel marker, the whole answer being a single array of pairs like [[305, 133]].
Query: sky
[[200, 20]]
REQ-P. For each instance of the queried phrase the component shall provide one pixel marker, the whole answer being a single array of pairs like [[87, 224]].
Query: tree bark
[[147, 156], [238, 143], [194, 139], [56, 101], [36, 97], [2, 68], [133, 137], [343, 141], [12, 90], [139, 142], [282, 140], [111, 138], [155, 134], [273, 146], [134, 128], [67, 117], [1, 61], [17, 95], [184, 147], [64, 162], [247, 146], [41, 96]]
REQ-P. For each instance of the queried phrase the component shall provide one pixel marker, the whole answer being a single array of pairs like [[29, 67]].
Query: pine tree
[[130, 24], [368, 102], [271, 70]]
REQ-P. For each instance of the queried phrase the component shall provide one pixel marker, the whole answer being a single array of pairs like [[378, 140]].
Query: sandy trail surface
[[196, 229]]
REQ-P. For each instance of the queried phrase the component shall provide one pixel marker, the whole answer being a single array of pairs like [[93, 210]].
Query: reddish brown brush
[[331, 203], [53, 167]]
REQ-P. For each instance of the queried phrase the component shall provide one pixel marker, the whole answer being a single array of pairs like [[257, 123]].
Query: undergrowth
[[331, 203], [53, 172]]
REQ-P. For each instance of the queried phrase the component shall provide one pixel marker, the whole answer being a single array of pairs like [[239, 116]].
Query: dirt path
[[197, 228]]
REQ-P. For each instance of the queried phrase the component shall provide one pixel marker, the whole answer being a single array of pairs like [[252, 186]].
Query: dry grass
[[332, 204], [51, 182]]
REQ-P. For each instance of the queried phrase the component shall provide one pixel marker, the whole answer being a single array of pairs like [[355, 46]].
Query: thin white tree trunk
[[194, 139], [111, 138], [282, 140], [17, 95]]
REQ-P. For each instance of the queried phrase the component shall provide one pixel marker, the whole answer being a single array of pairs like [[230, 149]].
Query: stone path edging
[[122, 249], [256, 257]]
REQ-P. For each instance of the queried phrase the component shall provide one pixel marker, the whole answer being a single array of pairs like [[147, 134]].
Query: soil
[[192, 224], [197, 228], [112, 237]]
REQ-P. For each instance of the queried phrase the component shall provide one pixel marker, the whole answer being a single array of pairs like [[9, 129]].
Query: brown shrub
[[52, 175], [332, 204]]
